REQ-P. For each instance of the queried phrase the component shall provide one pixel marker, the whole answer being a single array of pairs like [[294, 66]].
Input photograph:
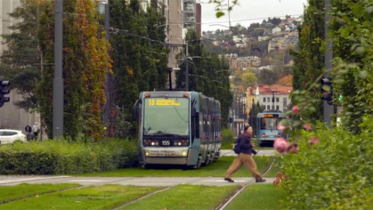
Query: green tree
[[351, 29], [21, 61], [207, 74], [268, 77], [139, 58], [309, 55], [249, 78]]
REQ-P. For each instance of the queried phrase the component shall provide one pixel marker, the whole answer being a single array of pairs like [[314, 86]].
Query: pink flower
[[295, 109], [307, 127], [304, 83], [281, 145], [281, 127], [293, 148], [314, 140]]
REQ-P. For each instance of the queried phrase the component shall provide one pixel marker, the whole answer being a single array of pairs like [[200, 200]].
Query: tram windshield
[[269, 123], [166, 115]]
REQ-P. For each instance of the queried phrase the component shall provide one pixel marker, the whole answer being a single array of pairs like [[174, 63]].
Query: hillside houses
[[242, 62], [283, 41]]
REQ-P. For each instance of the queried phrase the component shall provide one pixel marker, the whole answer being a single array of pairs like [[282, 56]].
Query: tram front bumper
[[177, 156]]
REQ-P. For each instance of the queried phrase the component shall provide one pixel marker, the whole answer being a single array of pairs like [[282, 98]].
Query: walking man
[[35, 130], [244, 157]]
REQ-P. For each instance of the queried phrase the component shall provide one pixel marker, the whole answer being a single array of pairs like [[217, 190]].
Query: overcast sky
[[248, 11]]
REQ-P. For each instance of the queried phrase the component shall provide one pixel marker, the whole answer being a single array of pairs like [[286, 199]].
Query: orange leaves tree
[[94, 46], [287, 80], [85, 63]]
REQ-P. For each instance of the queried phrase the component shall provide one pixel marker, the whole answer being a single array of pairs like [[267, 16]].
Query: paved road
[[260, 152], [138, 181]]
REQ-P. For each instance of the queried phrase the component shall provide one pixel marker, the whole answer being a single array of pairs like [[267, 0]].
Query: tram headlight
[[184, 153], [181, 142], [149, 142]]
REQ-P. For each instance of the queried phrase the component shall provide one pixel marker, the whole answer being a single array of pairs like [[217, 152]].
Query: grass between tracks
[[217, 169], [259, 196], [97, 197], [10, 193], [185, 197]]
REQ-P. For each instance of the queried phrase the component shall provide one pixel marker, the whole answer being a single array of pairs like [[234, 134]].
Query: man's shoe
[[228, 179], [261, 180]]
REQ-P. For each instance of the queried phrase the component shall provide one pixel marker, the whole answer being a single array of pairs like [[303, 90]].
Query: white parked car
[[8, 136]]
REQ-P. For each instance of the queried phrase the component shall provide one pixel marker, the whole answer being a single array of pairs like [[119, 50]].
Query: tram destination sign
[[165, 102], [270, 115]]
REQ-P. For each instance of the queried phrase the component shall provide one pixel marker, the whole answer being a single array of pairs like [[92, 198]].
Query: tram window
[[269, 123], [196, 120], [201, 123]]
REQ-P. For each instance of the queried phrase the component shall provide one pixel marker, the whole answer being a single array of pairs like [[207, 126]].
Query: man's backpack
[[236, 147]]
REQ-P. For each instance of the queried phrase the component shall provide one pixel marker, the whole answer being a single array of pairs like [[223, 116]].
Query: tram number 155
[[166, 143]]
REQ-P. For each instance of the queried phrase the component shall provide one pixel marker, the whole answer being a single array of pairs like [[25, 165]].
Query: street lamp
[[187, 67]]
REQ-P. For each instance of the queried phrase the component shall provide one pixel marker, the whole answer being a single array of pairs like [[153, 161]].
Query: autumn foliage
[[287, 80], [85, 64], [95, 47]]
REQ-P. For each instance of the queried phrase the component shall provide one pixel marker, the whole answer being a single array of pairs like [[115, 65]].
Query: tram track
[[143, 197], [223, 205]]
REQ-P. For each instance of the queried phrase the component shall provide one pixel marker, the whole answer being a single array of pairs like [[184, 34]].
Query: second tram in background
[[266, 127], [178, 128]]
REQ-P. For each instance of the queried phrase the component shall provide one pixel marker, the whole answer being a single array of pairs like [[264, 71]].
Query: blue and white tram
[[178, 127]]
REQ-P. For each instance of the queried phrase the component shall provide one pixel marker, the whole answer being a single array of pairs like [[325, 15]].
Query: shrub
[[227, 135], [65, 157], [334, 173]]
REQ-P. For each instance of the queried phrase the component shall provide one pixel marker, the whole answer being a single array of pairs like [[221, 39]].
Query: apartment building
[[264, 95], [192, 16], [12, 117]]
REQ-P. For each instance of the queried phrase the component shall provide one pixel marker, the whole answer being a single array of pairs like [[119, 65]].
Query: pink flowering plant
[[324, 168], [296, 126]]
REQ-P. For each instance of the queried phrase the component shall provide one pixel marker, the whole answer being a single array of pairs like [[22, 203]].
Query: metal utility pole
[[328, 109], [186, 69], [58, 96]]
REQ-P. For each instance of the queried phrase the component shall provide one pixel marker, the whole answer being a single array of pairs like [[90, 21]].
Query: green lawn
[[217, 169], [97, 197], [259, 196], [185, 197], [10, 193]]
